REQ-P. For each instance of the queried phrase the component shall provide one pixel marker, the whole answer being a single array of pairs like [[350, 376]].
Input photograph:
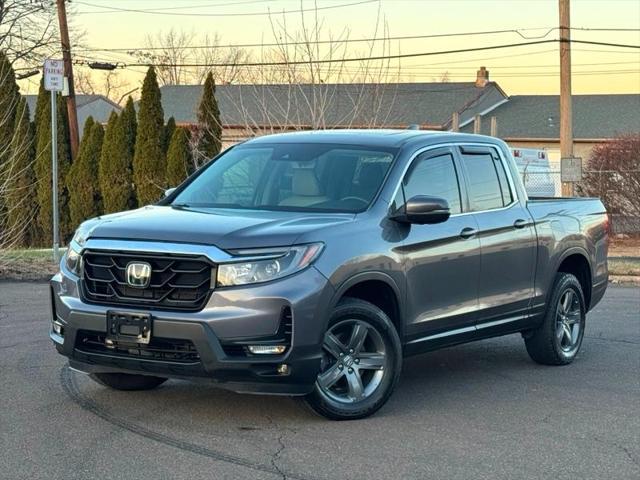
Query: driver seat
[[305, 189]]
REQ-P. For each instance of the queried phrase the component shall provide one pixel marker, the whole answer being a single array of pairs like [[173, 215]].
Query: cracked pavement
[[479, 411]]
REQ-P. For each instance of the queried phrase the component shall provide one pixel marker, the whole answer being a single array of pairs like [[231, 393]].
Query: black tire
[[544, 344], [126, 381], [380, 331]]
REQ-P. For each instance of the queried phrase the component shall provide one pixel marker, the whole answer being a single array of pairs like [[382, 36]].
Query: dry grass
[[30, 264]]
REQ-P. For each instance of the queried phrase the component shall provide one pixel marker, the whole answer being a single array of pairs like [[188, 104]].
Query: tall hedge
[[209, 125], [9, 100], [21, 204], [43, 169], [114, 168], [169, 128], [149, 159], [178, 157], [82, 181], [126, 140]]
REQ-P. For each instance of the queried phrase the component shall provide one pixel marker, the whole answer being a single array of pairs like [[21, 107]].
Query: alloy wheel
[[354, 363], [568, 321]]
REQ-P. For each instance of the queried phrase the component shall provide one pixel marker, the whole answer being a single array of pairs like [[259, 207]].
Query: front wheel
[[361, 363], [558, 339]]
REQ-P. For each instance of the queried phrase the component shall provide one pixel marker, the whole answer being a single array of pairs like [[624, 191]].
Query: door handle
[[520, 223], [468, 232]]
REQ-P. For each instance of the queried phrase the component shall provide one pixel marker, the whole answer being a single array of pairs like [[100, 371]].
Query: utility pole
[[566, 122], [72, 112]]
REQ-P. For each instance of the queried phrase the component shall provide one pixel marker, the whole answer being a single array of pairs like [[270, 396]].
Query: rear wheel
[[361, 363], [558, 339], [126, 381]]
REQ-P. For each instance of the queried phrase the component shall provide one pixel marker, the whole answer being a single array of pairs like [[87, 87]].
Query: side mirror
[[423, 209], [169, 191]]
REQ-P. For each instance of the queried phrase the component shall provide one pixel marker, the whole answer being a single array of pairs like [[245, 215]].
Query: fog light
[[283, 369], [267, 349], [58, 328]]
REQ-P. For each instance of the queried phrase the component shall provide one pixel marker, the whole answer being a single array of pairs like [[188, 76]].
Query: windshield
[[299, 177]]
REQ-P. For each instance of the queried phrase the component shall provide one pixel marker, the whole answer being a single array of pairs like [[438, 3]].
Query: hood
[[224, 228]]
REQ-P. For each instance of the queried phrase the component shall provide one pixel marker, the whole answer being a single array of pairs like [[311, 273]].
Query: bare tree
[[27, 28], [311, 85], [172, 49], [613, 174], [27, 35], [110, 84]]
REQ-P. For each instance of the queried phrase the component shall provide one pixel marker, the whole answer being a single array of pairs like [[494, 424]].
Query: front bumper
[[231, 316]]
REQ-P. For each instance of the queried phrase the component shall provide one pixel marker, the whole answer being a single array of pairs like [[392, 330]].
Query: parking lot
[[481, 410]]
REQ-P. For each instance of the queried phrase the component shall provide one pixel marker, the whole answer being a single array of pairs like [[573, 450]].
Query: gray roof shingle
[[393, 104], [538, 116]]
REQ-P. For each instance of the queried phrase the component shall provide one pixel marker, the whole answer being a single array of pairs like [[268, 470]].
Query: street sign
[[571, 169], [53, 75]]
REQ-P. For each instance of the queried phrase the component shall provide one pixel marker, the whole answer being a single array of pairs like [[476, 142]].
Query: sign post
[[54, 82]]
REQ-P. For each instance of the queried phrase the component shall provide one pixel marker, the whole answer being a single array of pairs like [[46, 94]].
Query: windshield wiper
[[180, 205]]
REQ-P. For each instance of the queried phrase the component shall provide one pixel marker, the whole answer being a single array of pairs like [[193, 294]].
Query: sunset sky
[[530, 69]]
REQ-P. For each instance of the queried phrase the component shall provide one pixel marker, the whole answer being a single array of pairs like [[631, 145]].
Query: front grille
[[177, 282], [160, 349]]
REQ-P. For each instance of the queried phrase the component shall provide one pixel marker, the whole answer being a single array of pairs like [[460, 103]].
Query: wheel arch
[[576, 262], [377, 288]]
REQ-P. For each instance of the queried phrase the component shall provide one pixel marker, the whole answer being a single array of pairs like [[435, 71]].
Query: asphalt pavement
[[476, 411]]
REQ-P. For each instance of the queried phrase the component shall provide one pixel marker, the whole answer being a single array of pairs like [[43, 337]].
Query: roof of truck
[[372, 137]]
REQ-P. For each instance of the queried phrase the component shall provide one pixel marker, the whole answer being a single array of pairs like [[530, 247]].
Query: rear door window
[[487, 179]]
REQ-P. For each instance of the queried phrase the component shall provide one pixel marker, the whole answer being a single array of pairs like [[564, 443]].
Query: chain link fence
[[614, 188]]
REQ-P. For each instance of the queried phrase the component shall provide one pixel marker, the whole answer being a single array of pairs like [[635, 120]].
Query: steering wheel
[[353, 197]]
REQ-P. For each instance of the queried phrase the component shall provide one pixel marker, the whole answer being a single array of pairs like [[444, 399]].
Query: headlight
[[278, 264], [73, 261]]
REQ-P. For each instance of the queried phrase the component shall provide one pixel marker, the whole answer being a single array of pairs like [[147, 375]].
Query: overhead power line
[[375, 58], [360, 40], [109, 9]]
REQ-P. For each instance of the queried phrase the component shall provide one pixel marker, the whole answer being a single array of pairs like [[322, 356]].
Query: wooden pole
[[477, 124], [566, 122], [72, 112], [455, 122], [494, 126]]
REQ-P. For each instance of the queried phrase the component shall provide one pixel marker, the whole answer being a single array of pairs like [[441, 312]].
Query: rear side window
[[488, 184], [435, 176]]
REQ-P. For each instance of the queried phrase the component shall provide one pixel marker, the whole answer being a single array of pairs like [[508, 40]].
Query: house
[[522, 120], [249, 110], [97, 106], [533, 121]]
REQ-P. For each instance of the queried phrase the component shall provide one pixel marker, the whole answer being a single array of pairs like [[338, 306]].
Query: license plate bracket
[[128, 327]]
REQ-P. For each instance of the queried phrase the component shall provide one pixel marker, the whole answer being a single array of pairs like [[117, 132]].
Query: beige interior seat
[[305, 189]]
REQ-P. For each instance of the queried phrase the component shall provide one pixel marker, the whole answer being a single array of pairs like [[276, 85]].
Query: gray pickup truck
[[311, 263]]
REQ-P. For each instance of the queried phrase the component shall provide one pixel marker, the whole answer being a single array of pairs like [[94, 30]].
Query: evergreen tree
[[169, 128], [130, 125], [43, 169], [9, 100], [22, 206], [127, 138], [82, 181], [178, 158], [209, 125], [149, 159], [114, 170]]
